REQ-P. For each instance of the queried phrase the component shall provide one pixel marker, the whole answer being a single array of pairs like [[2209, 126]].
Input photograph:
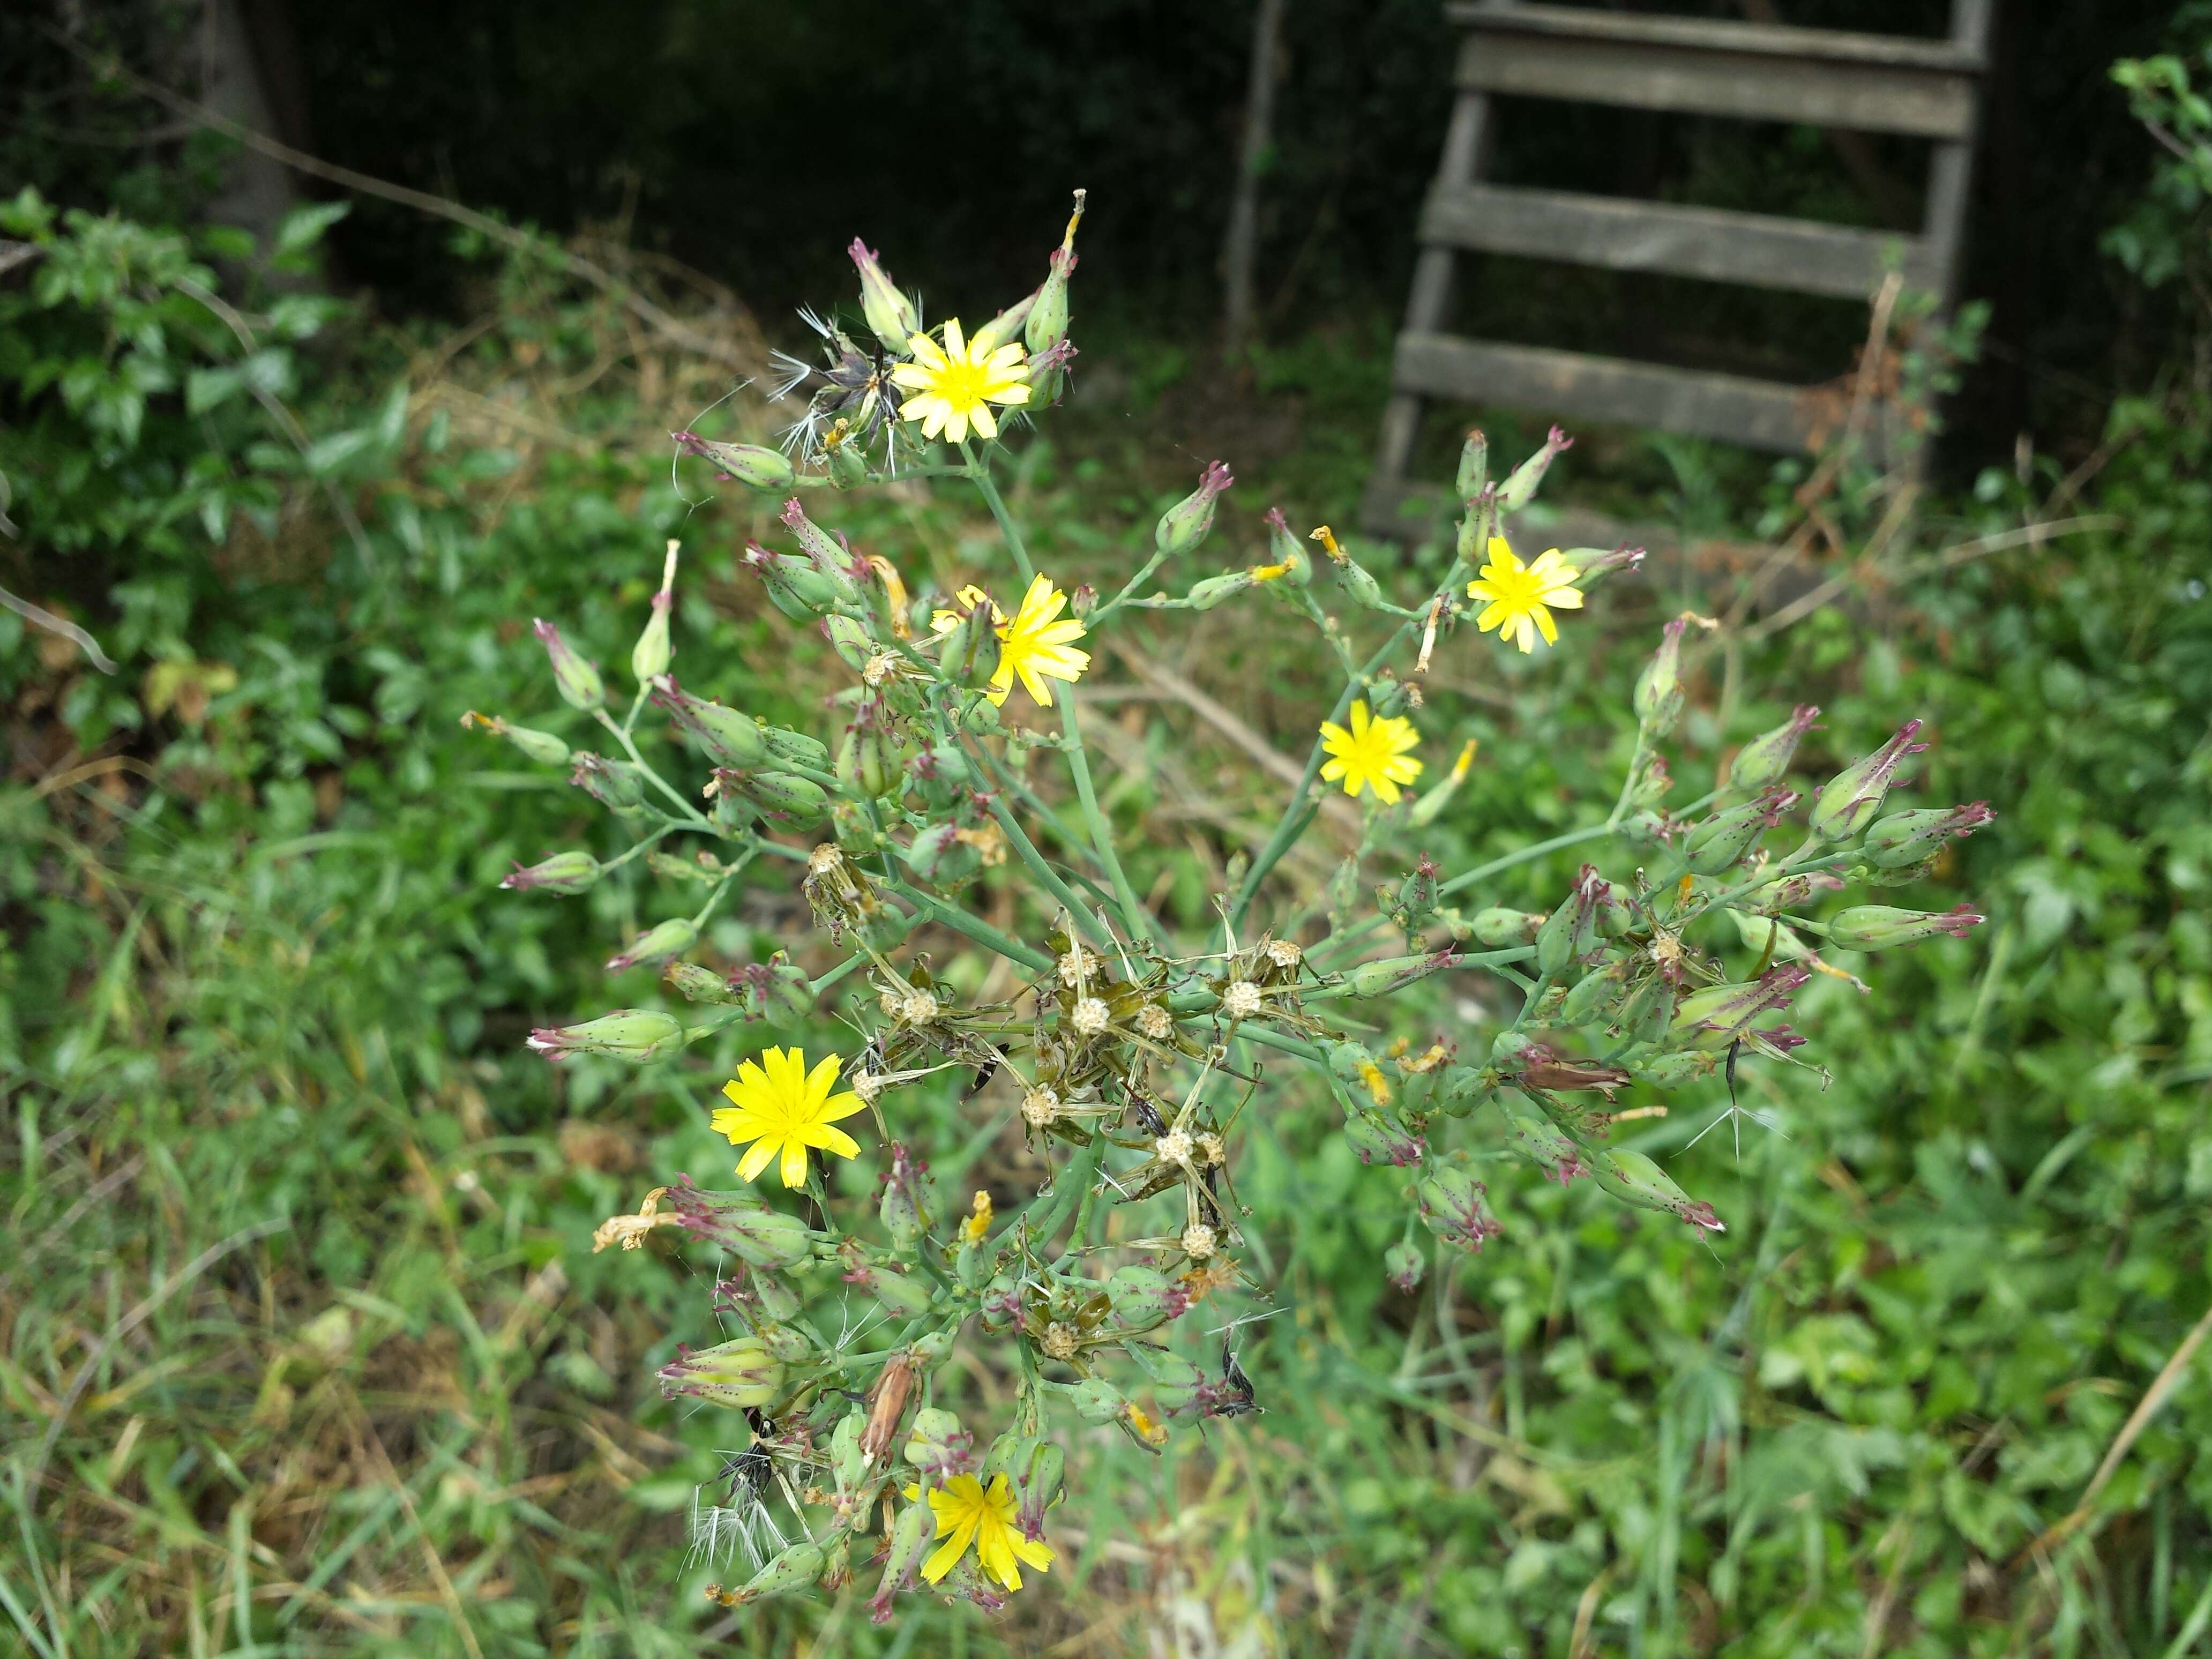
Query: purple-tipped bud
[[1185, 525], [577, 680], [632, 1034], [1598, 561], [1850, 802], [564, 873], [1520, 490], [739, 1222], [1719, 1014], [1146, 1296], [938, 1445], [889, 312], [777, 990], [1635, 1179], [794, 585], [1571, 930], [1392, 974], [740, 1373], [750, 464], [1880, 927], [724, 735], [541, 746], [1903, 839], [905, 1205], [912, 1530], [1766, 759], [846, 570], [614, 784], [1404, 1265], [1727, 838], [1046, 326], [1038, 1484], [663, 942], [1473, 476], [1451, 1209], [1380, 1140]]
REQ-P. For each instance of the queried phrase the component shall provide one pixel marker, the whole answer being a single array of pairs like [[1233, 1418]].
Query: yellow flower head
[[952, 387], [1038, 644], [1373, 754], [784, 1108], [1519, 595], [968, 1514]]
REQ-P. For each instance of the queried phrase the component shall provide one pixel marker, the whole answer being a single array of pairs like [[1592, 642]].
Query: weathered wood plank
[[1932, 103], [1961, 54], [1757, 414], [1752, 248]]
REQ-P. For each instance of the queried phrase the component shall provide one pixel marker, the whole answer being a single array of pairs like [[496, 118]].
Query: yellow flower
[[1521, 594], [1037, 644], [967, 1514], [977, 1225], [1373, 754], [952, 387], [784, 1108]]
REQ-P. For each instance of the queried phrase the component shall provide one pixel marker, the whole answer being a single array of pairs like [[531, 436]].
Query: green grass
[[305, 1350]]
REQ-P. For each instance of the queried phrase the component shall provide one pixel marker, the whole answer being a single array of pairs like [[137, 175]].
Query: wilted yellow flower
[[1372, 755], [1038, 644], [783, 1109], [967, 1513], [976, 1225], [1520, 595], [952, 387]]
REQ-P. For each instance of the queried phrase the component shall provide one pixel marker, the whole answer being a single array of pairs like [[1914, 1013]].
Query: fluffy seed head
[[1091, 1017], [1155, 1022], [1199, 1241], [1058, 1342], [1041, 1106], [1173, 1147], [1241, 1001]]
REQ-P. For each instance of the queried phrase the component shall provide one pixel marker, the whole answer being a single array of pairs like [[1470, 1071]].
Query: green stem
[[1068, 1189], [691, 814], [980, 472], [1133, 915], [976, 928], [1025, 849]]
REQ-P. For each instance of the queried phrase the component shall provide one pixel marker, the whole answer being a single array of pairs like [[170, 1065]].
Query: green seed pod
[[632, 1034], [1766, 759], [1473, 466], [1098, 1401], [697, 984], [1881, 927], [1658, 695], [903, 1296], [791, 803], [890, 313], [787, 748], [1726, 839], [1361, 587], [1905, 839], [724, 735], [794, 1569], [1593, 993], [740, 1373], [1521, 489]]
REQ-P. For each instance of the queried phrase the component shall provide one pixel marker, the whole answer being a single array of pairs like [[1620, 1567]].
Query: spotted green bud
[[1658, 696], [577, 680], [1635, 1179], [540, 747], [1185, 525], [1852, 799], [936, 855], [1764, 760], [740, 1223], [1473, 476], [1176, 1381], [1046, 326], [649, 658], [740, 1373], [615, 784], [750, 464], [794, 1569], [903, 1296], [1451, 1209], [890, 313], [725, 736], [1679, 1069], [1593, 993], [1727, 838], [1882, 927], [905, 1209], [564, 873], [1098, 1401], [632, 1034], [1719, 1014], [914, 1528], [794, 585], [1404, 1265], [656, 946], [1284, 549], [1498, 928], [1376, 1138], [969, 656], [1904, 839], [697, 984], [1206, 594], [1520, 488]]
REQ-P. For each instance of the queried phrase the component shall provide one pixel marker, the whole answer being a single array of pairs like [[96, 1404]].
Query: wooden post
[[1240, 248]]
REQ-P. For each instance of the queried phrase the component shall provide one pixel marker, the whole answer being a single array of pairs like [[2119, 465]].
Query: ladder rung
[[1757, 414], [1701, 34], [1722, 246], [1932, 95]]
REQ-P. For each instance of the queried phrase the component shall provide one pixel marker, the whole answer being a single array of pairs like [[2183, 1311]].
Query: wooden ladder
[[1752, 71]]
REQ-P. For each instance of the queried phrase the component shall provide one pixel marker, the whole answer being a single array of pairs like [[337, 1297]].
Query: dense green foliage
[[256, 977]]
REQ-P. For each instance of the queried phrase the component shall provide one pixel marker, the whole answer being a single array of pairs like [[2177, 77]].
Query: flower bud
[[1380, 1140], [614, 784], [969, 656], [889, 312], [649, 658], [849, 637], [1284, 549], [787, 802], [777, 990], [724, 735], [1376, 979], [938, 1445], [1176, 1381], [794, 585], [742, 1223], [1879, 928], [1635, 1179], [1473, 467], [1500, 928], [1146, 1296], [1431, 804], [1521, 489], [1681, 1067], [577, 680], [1719, 1014], [1451, 1209], [1658, 696], [1544, 1145], [697, 984], [750, 464], [1727, 838], [1404, 1265], [540, 747], [656, 946], [937, 856], [903, 1296], [1904, 839], [794, 1568], [1358, 585], [738, 1372], [1046, 324], [1205, 595], [1185, 525], [912, 1530], [1766, 759], [1098, 1401], [633, 1034], [565, 873], [1570, 933], [1593, 993], [1040, 1477], [905, 1210], [795, 749], [1850, 801]]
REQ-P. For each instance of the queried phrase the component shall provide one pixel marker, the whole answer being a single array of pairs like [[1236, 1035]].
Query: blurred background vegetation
[[302, 1347]]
